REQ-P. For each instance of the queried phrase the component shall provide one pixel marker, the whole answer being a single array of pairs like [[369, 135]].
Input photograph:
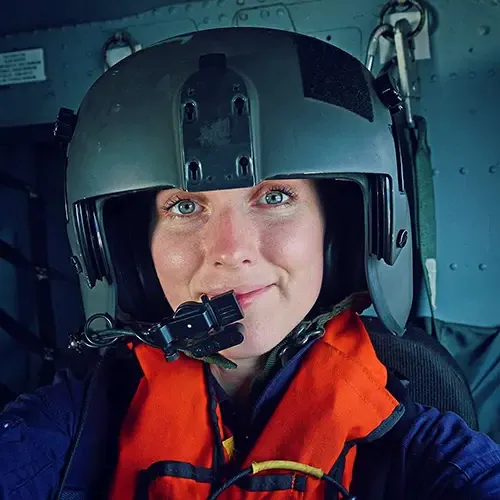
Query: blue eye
[[276, 197], [184, 207]]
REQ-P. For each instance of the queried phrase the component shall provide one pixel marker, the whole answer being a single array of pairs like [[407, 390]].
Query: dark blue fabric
[[443, 450], [247, 426], [35, 434], [438, 458]]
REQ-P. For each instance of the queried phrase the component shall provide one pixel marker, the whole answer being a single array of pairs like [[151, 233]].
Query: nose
[[232, 239]]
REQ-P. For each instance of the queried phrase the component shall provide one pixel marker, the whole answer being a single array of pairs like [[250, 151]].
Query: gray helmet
[[229, 108]]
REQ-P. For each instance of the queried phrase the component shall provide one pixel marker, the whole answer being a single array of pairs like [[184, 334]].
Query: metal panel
[[29, 15], [460, 99]]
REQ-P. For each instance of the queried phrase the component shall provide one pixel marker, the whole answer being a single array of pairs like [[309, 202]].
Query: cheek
[[175, 261], [296, 246]]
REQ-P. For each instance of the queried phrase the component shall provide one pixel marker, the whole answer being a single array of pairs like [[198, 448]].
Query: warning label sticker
[[23, 66]]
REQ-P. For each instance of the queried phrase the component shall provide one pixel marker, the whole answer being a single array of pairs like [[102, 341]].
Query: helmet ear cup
[[127, 221], [344, 245], [330, 286]]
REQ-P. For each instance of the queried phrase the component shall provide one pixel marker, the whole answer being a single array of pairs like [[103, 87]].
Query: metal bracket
[[418, 18]]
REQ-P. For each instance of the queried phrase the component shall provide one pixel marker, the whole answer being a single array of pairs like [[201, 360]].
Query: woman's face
[[267, 238]]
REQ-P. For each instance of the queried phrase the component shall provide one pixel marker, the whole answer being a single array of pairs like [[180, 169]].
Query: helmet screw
[[402, 238]]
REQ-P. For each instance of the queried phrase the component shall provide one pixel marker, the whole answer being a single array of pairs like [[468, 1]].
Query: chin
[[251, 347]]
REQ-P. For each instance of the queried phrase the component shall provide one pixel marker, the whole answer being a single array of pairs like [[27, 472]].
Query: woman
[[258, 162]]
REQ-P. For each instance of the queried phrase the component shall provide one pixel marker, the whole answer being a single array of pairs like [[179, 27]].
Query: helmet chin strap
[[306, 330], [200, 330]]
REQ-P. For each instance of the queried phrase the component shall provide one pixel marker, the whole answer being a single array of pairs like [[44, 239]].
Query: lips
[[239, 291], [249, 294], [246, 299], [245, 295]]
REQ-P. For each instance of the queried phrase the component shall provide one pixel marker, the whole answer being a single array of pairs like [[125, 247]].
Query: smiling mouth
[[246, 299]]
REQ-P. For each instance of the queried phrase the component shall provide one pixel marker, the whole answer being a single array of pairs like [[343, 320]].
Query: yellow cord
[[287, 464]]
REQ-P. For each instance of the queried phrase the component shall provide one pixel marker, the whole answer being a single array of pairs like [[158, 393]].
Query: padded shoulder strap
[[375, 460], [95, 451]]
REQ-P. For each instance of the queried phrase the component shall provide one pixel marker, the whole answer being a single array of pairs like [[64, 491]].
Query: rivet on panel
[[206, 20], [243, 16], [453, 266], [453, 76], [435, 171], [493, 169], [434, 78], [491, 73], [484, 30], [464, 171], [89, 54], [240, 2], [281, 12], [189, 7], [173, 9], [483, 267], [223, 18], [117, 108], [472, 74], [264, 14]]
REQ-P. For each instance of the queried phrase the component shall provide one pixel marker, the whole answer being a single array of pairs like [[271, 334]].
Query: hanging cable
[[374, 44], [257, 467]]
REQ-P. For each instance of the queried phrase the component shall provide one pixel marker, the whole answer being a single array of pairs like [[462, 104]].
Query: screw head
[[402, 238]]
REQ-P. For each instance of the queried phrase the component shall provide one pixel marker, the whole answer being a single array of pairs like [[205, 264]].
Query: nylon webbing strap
[[8, 181], [425, 213], [16, 258], [38, 262], [20, 333]]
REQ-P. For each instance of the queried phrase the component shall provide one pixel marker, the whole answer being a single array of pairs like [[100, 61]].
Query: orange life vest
[[173, 430]]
